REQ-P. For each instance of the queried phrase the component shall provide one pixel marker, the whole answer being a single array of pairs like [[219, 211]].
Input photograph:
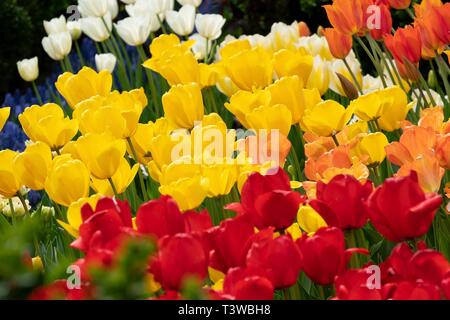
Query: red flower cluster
[[255, 254]]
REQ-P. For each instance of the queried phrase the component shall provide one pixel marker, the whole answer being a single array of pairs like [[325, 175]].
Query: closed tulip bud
[[349, 88], [182, 22], [195, 3], [4, 115], [280, 258], [341, 202], [326, 118], [134, 30], [113, 8], [47, 124], [101, 153], [85, 84], [57, 45], [405, 45], [33, 165], [93, 8], [56, 25], [74, 28], [210, 25], [29, 69], [67, 180], [262, 194], [105, 61], [180, 257], [303, 29], [324, 256], [183, 105], [96, 29], [9, 180], [432, 81], [339, 43], [348, 16], [400, 210]]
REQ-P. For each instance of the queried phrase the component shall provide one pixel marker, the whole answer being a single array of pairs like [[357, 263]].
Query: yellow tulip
[[289, 92], [370, 148], [243, 102], [9, 181], [85, 84], [143, 138], [48, 125], [67, 180], [293, 63], [371, 106], [4, 115], [74, 214], [320, 76], [33, 165], [271, 117], [121, 180], [234, 47], [396, 111], [188, 193], [326, 118], [166, 42], [309, 219], [222, 178], [117, 113], [101, 153], [250, 69], [183, 105]]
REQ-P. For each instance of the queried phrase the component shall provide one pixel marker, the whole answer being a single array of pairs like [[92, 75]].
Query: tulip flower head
[[182, 22], [58, 45], [105, 61]]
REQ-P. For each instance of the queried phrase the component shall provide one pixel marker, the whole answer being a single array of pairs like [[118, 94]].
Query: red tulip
[[409, 290], [179, 258], [247, 284], [405, 45], [339, 43], [341, 202], [58, 290], [160, 218], [385, 27], [269, 201], [324, 255], [197, 222], [348, 16], [353, 285], [279, 257], [400, 210], [105, 227], [428, 265], [230, 242]]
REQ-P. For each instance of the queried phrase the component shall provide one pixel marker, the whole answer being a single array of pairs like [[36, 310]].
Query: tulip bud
[[432, 81], [106, 61], [210, 25], [28, 69], [134, 30], [303, 29], [182, 22], [340, 44], [74, 28], [58, 45], [56, 25], [95, 28], [349, 88], [320, 31]]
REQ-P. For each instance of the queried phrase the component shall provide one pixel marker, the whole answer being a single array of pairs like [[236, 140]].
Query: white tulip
[[195, 3], [160, 7], [282, 35], [128, 1], [56, 25], [134, 30], [199, 47], [210, 25], [17, 205], [58, 45], [113, 8], [93, 8], [182, 22], [106, 61], [28, 69], [95, 28], [371, 84], [74, 28], [144, 8]]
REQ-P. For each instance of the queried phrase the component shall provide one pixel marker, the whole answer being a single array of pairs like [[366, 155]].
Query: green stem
[[36, 92], [13, 213], [80, 55], [336, 142], [116, 194], [444, 75], [151, 81], [141, 177], [68, 64], [372, 58]]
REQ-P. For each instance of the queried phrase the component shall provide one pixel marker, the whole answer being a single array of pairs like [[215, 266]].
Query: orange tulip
[[348, 16], [405, 45], [303, 29], [339, 43], [443, 151], [400, 4]]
